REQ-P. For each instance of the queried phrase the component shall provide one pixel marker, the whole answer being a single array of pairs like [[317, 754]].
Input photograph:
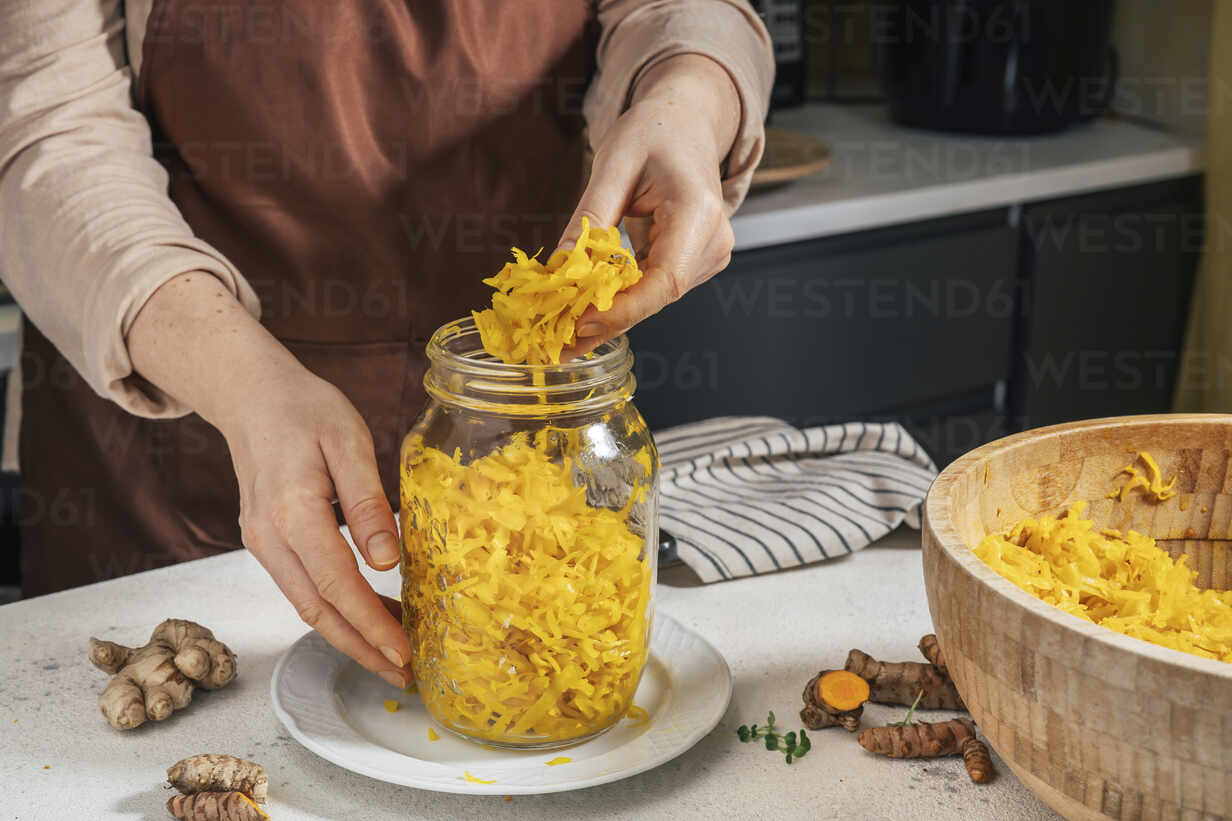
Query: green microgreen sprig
[[910, 712], [791, 744]]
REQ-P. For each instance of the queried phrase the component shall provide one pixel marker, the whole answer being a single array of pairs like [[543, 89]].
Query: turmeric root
[[834, 697], [931, 650], [219, 773], [153, 681], [919, 739], [977, 760], [215, 806], [899, 682]]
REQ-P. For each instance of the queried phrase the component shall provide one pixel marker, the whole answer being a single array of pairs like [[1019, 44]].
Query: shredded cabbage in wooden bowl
[[1068, 593], [1124, 582]]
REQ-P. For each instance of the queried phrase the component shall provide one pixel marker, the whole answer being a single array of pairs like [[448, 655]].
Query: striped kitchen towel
[[748, 495]]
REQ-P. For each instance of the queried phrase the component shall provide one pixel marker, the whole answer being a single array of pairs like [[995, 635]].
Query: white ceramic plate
[[336, 709]]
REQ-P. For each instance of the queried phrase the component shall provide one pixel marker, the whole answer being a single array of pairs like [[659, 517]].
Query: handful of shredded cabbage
[[536, 305], [527, 608], [1124, 582]]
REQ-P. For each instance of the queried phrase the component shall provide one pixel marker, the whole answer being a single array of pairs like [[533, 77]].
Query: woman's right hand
[[295, 449], [297, 444]]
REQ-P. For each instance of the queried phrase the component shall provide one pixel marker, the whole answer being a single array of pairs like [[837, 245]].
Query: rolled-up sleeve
[[637, 34], [87, 230]]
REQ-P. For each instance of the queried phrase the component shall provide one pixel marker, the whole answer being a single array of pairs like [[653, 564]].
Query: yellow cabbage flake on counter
[[1124, 582], [536, 305], [527, 606]]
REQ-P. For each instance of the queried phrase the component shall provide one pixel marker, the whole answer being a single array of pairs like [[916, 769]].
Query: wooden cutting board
[[789, 156]]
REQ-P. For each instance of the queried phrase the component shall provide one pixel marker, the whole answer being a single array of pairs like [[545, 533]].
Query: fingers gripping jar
[[529, 543]]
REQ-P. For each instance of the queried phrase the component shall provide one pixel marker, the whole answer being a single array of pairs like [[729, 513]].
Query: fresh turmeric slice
[[842, 690], [819, 712]]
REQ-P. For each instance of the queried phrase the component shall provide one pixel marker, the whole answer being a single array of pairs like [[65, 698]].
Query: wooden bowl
[[1097, 724]]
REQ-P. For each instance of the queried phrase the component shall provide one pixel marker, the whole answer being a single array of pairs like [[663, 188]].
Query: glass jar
[[529, 542]]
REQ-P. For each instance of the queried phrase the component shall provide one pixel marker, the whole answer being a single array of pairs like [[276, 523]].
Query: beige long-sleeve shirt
[[87, 230]]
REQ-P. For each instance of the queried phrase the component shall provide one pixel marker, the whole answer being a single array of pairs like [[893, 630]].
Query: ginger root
[[918, 739], [153, 681], [215, 806], [211, 772], [899, 682], [834, 697], [931, 650], [977, 760]]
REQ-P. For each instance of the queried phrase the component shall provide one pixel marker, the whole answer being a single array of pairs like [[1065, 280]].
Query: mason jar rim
[[462, 373]]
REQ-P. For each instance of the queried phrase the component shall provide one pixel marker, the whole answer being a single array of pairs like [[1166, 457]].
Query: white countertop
[[882, 174], [775, 631]]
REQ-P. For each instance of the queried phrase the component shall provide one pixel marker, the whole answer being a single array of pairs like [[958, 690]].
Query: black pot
[[999, 66]]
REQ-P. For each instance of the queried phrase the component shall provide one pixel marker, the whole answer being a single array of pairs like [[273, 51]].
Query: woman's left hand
[[659, 166]]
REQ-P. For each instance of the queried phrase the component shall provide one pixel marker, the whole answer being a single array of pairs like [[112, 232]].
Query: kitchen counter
[[882, 174], [60, 760]]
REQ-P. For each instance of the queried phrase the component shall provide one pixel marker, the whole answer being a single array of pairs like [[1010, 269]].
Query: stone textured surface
[[59, 759]]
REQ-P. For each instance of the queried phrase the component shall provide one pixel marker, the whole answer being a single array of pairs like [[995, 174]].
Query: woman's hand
[[297, 444], [659, 166], [295, 449]]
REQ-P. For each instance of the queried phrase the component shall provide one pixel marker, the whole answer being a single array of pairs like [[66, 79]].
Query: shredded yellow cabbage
[[1152, 483], [527, 608], [637, 715], [1124, 582], [536, 305]]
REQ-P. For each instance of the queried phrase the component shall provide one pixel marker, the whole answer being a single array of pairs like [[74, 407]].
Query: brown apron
[[364, 163]]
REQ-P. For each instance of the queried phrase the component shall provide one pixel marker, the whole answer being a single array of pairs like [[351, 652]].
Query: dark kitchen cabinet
[[1109, 278], [853, 326], [964, 328]]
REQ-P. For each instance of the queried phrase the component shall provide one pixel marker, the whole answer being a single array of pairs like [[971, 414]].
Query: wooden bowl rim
[[938, 523]]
